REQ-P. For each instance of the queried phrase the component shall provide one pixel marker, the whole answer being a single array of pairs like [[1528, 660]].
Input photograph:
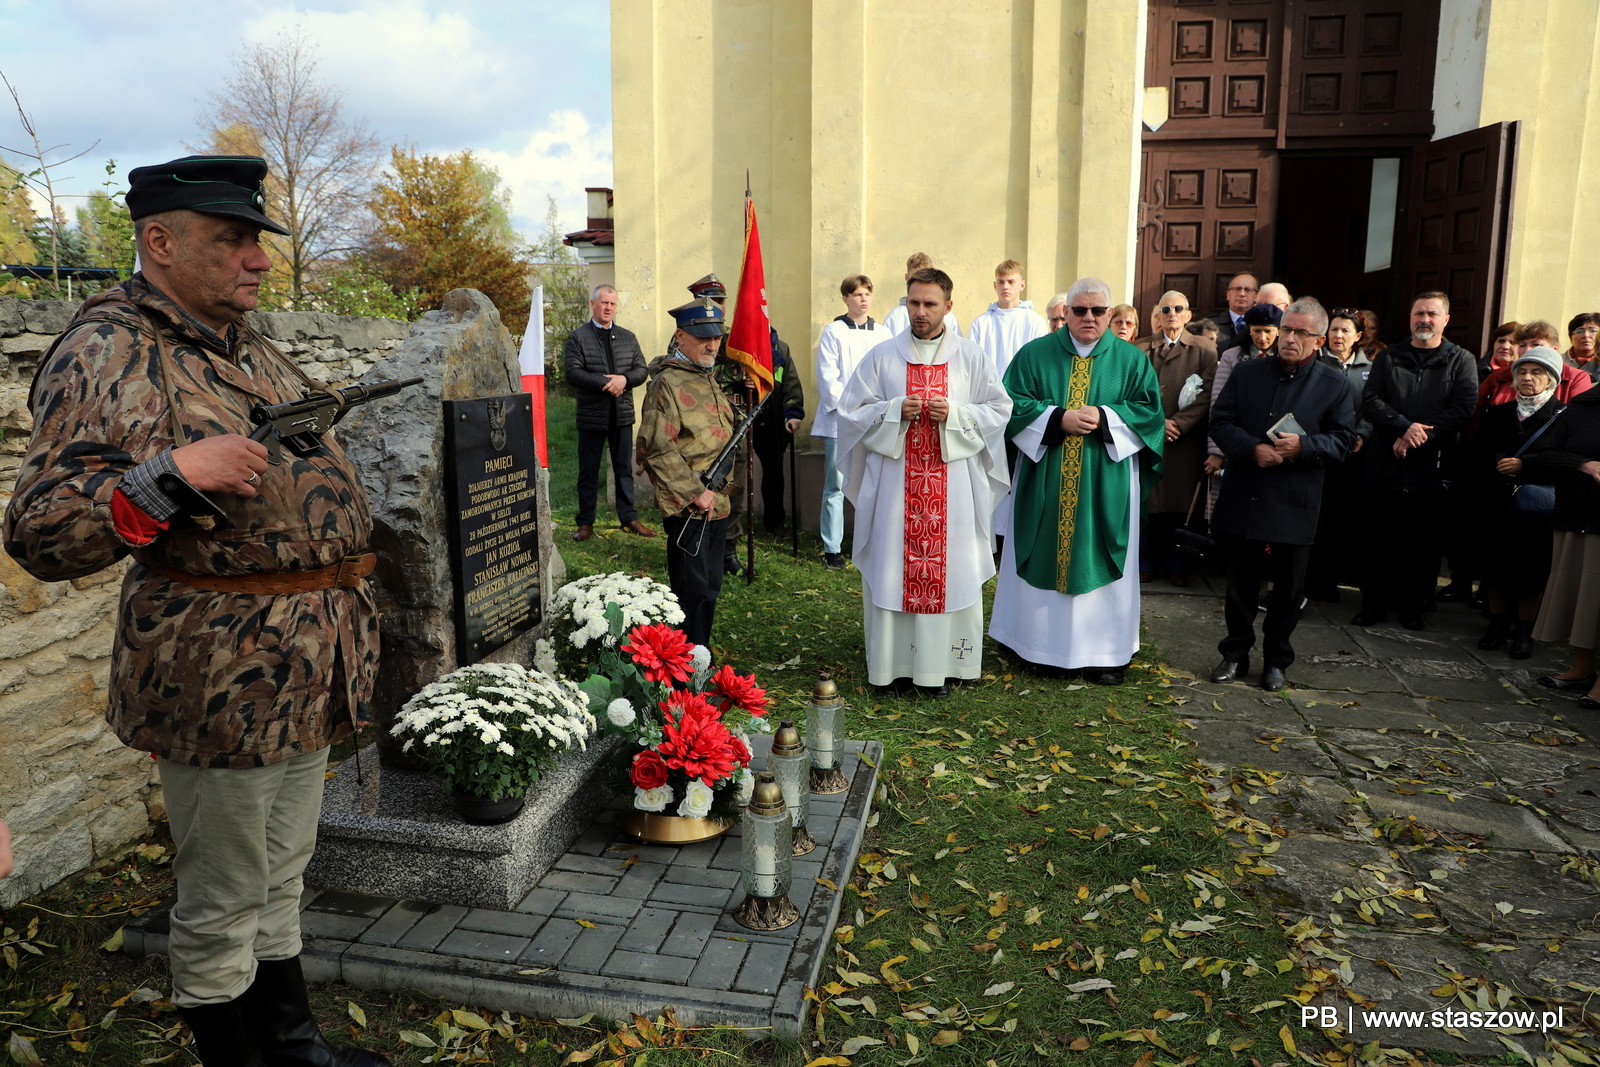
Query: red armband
[[133, 523]]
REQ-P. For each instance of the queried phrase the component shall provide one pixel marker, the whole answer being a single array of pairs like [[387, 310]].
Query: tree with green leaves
[[566, 290]]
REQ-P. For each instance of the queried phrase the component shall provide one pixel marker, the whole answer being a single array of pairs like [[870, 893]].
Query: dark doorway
[[1323, 229]]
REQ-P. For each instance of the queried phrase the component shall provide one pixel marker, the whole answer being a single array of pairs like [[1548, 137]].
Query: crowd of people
[[1267, 440]]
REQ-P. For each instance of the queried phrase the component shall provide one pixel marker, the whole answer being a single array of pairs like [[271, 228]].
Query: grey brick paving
[[640, 880], [551, 943], [394, 923], [587, 905], [478, 945], [605, 865], [432, 928], [689, 934], [510, 923], [728, 857], [542, 901], [705, 876], [698, 854], [703, 895], [648, 929], [341, 903], [579, 883], [590, 951], [763, 968], [719, 964], [625, 848], [674, 969], [593, 841], [327, 924]]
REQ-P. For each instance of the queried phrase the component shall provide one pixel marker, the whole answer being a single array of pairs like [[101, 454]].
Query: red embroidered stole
[[927, 497]]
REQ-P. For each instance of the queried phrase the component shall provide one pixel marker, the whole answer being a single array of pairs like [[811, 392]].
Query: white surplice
[[943, 637], [1099, 628], [1001, 331]]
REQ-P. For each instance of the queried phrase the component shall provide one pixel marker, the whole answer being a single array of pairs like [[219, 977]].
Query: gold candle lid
[[767, 798], [826, 690], [787, 741]]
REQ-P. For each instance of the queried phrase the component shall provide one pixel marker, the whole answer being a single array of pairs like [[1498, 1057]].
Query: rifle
[[716, 476], [300, 424]]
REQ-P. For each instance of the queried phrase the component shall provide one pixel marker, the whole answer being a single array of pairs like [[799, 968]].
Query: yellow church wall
[[1542, 67], [871, 131]]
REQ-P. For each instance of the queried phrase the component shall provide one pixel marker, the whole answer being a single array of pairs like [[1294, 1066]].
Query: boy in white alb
[[1010, 321], [839, 350], [897, 321]]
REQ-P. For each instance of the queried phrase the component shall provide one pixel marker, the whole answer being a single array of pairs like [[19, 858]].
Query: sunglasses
[[1172, 309], [1083, 312], [1353, 314]]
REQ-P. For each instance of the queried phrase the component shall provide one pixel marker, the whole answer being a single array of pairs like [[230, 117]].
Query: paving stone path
[[1432, 813]]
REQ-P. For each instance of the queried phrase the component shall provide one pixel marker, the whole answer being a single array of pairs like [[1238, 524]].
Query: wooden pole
[[794, 499], [749, 500]]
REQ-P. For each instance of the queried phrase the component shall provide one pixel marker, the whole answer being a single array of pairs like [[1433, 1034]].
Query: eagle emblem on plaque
[[497, 424]]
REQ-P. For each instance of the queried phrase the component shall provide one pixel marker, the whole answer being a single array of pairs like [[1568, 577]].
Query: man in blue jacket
[[1280, 422]]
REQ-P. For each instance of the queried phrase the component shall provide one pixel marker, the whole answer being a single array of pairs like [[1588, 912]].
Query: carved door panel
[[1219, 61], [1359, 67], [1458, 230], [1205, 214]]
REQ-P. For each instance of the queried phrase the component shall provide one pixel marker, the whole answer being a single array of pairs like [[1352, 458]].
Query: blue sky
[[526, 85]]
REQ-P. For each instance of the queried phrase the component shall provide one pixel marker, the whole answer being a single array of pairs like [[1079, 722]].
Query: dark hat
[[700, 318], [1264, 315], [708, 286], [211, 185]]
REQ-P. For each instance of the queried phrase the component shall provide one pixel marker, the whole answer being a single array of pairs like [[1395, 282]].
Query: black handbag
[[1193, 542], [1531, 498]]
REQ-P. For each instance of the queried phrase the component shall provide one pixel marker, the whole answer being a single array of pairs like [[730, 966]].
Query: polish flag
[[532, 360], [750, 337]]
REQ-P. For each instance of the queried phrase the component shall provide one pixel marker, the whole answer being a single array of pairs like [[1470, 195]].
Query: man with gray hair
[[1055, 312], [604, 364], [1088, 425]]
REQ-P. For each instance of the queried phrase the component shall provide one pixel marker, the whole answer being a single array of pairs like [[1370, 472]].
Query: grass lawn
[[1045, 881]]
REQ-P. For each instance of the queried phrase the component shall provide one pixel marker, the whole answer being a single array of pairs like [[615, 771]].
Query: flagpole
[[794, 498]]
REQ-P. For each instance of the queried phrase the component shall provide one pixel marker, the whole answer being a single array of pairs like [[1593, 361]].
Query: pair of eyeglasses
[[1083, 312], [1243, 289], [1304, 335], [1172, 309]]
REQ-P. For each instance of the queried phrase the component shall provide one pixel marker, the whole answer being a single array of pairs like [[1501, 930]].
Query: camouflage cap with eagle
[[211, 185]]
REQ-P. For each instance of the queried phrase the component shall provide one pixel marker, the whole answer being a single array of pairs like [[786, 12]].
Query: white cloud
[[560, 159]]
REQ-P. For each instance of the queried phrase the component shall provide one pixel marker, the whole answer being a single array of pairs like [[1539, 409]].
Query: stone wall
[[69, 789]]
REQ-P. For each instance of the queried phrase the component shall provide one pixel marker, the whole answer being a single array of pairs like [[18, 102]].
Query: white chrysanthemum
[[620, 712], [747, 786], [655, 799], [696, 800], [700, 658]]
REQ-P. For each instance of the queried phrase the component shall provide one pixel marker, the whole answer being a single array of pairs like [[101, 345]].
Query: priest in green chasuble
[[1088, 425]]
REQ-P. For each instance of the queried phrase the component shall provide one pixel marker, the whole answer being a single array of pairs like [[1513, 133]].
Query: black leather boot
[[1495, 636], [1521, 640], [278, 1012], [220, 1037]]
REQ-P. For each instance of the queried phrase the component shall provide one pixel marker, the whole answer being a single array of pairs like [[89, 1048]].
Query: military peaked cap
[[211, 185], [708, 286], [700, 318]]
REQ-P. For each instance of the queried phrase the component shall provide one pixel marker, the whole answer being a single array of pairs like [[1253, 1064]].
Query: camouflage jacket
[[685, 422], [201, 678]]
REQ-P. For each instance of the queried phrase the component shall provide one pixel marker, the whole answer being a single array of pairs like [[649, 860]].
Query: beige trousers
[[243, 840]]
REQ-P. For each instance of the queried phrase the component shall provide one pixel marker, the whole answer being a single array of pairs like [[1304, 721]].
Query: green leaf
[[356, 1014], [114, 942], [467, 1018], [597, 687], [21, 1050], [411, 1037]]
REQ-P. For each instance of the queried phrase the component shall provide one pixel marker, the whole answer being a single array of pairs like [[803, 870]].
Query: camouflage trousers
[[243, 837]]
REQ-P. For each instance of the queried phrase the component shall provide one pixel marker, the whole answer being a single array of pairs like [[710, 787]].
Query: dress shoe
[[833, 561], [897, 688], [637, 527], [1551, 682], [1589, 702], [1495, 636], [1369, 617], [1272, 679], [1230, 670], [583, 533], [1411, 620], [1105, 675], [1179, 580], [1145, 576], [731, 564], [938, 692], [1521, 640]]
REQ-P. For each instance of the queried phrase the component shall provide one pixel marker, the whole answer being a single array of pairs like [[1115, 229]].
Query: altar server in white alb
[[1010, 321], [843, 343], [898, 321], [922, 439]]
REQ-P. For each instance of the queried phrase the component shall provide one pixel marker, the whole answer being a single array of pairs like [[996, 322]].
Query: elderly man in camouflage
[[685, 422], [247, 640]]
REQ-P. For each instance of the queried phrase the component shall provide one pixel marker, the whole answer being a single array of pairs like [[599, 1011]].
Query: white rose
[[696, 801], [620, 712], [655, 799], [747, 786]]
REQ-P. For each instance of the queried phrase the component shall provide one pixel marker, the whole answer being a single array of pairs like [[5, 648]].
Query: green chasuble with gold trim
[[1070, 510]]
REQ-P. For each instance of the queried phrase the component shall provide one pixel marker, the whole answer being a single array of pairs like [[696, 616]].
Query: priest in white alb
[[921, 430], [1089, 428]]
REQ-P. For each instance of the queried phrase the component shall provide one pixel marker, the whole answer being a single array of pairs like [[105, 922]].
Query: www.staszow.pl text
[[1329, 1016]]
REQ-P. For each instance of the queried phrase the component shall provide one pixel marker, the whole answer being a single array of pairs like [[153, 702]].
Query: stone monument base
[[398, 835]]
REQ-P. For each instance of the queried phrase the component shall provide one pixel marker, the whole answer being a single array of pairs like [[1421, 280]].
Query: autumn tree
[[442, 223], [566, 288], [320, 165]]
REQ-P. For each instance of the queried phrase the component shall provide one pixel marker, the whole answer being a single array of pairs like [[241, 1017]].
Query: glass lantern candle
[[790, 764], [767, 859], [825, 737]]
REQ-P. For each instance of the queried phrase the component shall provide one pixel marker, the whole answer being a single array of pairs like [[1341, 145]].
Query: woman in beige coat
[[1179, 358]]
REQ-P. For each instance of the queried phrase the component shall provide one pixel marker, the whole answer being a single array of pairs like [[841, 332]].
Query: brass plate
[[661, 829]]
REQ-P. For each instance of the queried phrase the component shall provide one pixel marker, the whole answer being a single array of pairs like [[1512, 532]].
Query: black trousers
[[696, 579], [770, 449], [1157, 551], [591, 443], [1402, 567], [1249, 563]]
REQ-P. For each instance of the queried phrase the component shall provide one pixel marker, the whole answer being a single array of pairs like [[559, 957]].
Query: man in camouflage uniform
[[686, 422], [247, 640]]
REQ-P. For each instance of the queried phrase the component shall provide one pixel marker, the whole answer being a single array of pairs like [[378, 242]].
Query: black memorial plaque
[[494, 523]]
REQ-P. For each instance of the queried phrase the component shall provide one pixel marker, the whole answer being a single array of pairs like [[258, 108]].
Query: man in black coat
[[604, 364], [1418, 397], [1271, 494]]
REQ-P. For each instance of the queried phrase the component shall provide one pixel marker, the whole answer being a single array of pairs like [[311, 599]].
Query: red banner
[[750, 336]]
